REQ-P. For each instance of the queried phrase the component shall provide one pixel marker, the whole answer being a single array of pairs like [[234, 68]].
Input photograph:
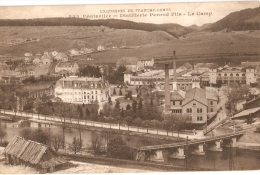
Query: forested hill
[[248, 19], [173, 29]]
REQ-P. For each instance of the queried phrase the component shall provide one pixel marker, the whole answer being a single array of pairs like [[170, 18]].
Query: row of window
[[231, 75], [189, 110]]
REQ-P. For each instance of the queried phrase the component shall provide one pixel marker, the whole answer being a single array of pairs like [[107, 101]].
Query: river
[[242, 159]]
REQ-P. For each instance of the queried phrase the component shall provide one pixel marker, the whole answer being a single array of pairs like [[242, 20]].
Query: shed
[[33, 154]]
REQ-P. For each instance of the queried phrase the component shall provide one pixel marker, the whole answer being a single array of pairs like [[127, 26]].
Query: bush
[[118, 148]]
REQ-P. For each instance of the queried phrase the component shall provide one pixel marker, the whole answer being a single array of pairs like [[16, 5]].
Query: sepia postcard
[[130, 88]]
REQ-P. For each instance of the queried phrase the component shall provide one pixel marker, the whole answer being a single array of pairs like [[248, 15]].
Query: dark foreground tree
[[118, 148], [2, 134]]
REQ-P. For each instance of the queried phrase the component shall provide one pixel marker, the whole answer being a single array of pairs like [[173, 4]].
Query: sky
[[185, 14]]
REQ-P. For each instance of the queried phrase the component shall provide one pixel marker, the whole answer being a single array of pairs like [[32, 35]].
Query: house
[[80, 90], [61, 57], [185, 67], [67, 67], [54, 53], [89, 57], [29, 153], [74, 52], [13, 79], [87, 50], [129, 62], [100, 48], [27, 60], [28, 54], [205, 67], [46, 59], [37, 61]]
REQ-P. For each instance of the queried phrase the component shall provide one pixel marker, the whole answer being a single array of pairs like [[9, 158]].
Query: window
[[194, 104], [180, 102], [189, 110], [173, 103], [211, 102], [219, 74], [200, 118], [243, 75], [231, 75], [225, 75], [200, 110], [211, 109], [237, 75]]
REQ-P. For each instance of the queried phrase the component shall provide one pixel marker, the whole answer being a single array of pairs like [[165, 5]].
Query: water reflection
[[242, 159]]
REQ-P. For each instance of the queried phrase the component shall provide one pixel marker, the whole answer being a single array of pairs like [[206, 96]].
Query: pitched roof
[[208, 65], [195, 94], [211, 95], [187, 65], [246, 113], [177, 95], [31, 151]]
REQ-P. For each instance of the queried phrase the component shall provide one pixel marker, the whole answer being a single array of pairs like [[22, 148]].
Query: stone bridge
[[179, 150]]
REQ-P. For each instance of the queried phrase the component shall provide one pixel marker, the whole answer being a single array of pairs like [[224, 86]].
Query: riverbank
[[78, 168]]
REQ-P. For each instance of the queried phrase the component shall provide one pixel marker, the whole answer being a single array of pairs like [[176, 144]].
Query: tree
[[128, 107], [128, 120], [37, 135], [118, 148], [134, 106], [129, 95], [236, 92], [76, 145], [87, 112], [120, 92], [109, 100], [140, 104], [96, 143], [2, 134], [114, 91], [57, 141]]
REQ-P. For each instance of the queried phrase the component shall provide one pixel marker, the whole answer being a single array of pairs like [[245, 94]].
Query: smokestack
[[174, 84], [167, 108]]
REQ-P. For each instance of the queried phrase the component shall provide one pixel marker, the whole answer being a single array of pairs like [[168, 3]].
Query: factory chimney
[[174, 83]]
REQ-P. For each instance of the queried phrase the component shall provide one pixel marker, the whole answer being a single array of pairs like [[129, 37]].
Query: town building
[[135, 64], [226, 75], [38, 90], [29, 153], [61, 57], [14, 79], [100, 48], [70, 68], [85, 90], [46, 59]]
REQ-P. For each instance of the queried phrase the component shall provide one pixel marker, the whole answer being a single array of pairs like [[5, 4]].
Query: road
[[55, 119]]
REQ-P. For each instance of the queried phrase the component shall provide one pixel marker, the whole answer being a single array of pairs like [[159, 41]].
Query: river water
[[241, 159]]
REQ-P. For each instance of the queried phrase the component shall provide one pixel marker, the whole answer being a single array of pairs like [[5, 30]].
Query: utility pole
[[231, 161], [187, 153]]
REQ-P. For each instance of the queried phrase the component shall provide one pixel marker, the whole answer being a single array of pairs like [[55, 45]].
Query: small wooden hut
[[29, 153]]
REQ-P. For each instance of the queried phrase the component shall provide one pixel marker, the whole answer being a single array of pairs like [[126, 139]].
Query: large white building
[[226, 75], [82, 90]]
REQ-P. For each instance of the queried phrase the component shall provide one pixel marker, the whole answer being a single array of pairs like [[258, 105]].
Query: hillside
[[173, 29], [199, 28], [64, 38], [248, 19]]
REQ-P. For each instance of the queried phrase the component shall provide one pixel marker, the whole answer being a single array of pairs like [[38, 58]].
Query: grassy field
[[146, 44]]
